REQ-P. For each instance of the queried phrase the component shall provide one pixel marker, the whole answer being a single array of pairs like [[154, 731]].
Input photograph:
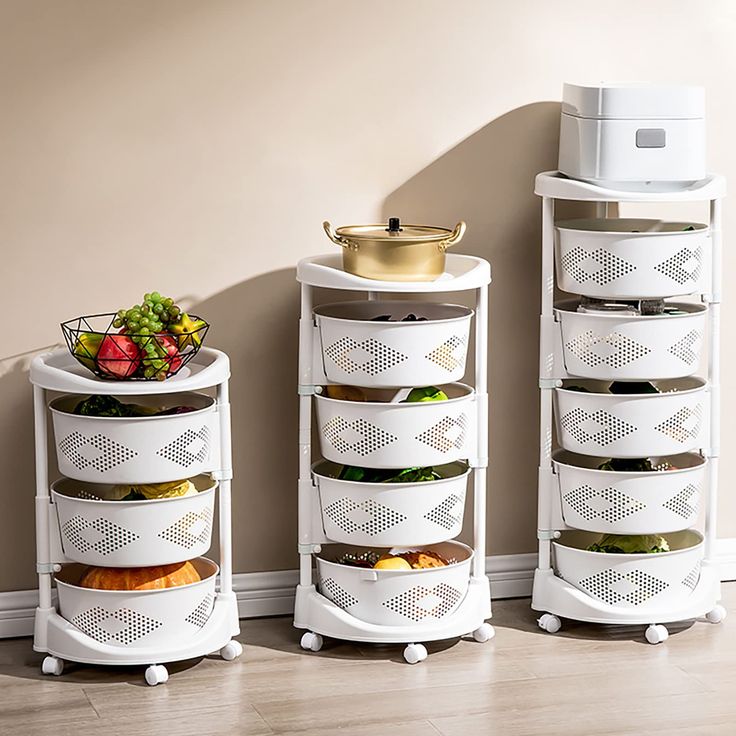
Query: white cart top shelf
[[59, 371], [555, 185], [462, 273]]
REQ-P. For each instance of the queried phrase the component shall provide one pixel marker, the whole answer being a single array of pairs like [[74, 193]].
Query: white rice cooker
[[633, 135]]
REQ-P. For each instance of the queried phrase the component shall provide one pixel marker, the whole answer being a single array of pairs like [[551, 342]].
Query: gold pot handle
[[338, 239], [455, 237]]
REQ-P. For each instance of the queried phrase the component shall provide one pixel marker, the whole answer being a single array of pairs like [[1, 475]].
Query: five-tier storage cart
[[79, 524], [637, 432], [374, 346]]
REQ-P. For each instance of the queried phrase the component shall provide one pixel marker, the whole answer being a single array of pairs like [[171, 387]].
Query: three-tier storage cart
[[618, 375], [79, 524], [366, 344]]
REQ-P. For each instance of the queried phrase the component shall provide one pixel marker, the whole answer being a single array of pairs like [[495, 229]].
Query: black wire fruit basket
[[118, 355]]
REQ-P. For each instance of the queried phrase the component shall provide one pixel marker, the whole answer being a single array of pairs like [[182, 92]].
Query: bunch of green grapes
[[142, 322]]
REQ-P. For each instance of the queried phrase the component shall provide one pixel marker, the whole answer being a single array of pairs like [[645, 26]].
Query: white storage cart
[[678, 428], [78, 523], [342, 344]]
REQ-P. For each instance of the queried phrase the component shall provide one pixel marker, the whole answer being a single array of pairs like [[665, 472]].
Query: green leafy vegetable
[[628, 465], [630, 544], [102, 406], [377, 475]]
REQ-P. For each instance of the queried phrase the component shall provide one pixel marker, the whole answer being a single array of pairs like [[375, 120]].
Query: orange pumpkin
[[140, 578]]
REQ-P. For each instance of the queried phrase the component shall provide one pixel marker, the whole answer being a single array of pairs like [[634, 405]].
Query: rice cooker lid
[[633, 100]]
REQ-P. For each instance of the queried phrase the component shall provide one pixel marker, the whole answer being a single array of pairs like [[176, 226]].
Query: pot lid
[[394, 230]]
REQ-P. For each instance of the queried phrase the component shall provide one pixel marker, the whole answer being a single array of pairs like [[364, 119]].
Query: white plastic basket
[[634, 425], [654, 582], [631, 258], [396, 597], [107, 533], [632, 347], [379, 434], [616, 502], [356, 350], [388, 514], [144, 619], [153, 449]]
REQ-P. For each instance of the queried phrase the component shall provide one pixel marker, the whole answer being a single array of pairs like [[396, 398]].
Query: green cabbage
[[630, 544]]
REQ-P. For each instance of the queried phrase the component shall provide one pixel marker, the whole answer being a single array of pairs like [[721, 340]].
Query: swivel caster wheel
[[717, 614], [52, 666], [311, 642], [232, 650], [656, 633], [485, 632], [156, 674], [549, 623], [415, 653]]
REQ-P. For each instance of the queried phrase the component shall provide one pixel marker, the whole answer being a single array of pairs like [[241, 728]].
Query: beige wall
[[195, 147]]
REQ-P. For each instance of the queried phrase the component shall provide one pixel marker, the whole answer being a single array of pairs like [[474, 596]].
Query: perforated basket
[[396, 597], [631, 258], [612, 502], [634, 425], [648, 582], [357, 350], [388, 514], [144, 619], [152, 449], [632, 347], [97, 531], [378, 434]]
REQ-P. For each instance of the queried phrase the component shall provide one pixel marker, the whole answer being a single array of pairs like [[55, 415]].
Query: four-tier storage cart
[[79, 524], [379, 348], [638, 433]]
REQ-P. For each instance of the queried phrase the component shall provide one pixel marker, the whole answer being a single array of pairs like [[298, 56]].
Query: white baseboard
[[272, 593]]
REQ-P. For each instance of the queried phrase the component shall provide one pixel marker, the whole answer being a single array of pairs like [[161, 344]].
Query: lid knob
[[394, 225]]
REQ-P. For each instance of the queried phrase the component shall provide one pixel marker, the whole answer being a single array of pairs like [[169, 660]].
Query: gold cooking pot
[[394, 252]]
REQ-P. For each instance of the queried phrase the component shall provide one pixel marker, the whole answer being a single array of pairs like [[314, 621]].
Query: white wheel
[[52, 666], [232, 650], [415, 653], [717, 614], [156, 674], [311, 642], [549, 623], [656, 634], [485, 632]]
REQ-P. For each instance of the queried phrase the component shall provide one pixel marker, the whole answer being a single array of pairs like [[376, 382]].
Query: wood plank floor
[[585, 680]]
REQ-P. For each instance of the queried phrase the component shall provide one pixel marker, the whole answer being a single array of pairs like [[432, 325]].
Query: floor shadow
[[488, 181]]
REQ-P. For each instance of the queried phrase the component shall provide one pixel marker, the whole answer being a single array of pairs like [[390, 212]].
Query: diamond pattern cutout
[[686, 502], [610, 504], [363, 438], [613, 350], [684, 425], [374, 517], [443, 515], [97, 451], [369, 356], [419, 602], [612, 587], [199, 616], [682, 267], [599, 426], [188, 447], [448, 434], [337, 594], [100, 535], [193, 528], [599, 266], [687, 349], [123, 626], [691, 580], [446, 355]]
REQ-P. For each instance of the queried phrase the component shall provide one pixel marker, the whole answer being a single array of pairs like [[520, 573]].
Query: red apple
[[173, 358], [118, 356]]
